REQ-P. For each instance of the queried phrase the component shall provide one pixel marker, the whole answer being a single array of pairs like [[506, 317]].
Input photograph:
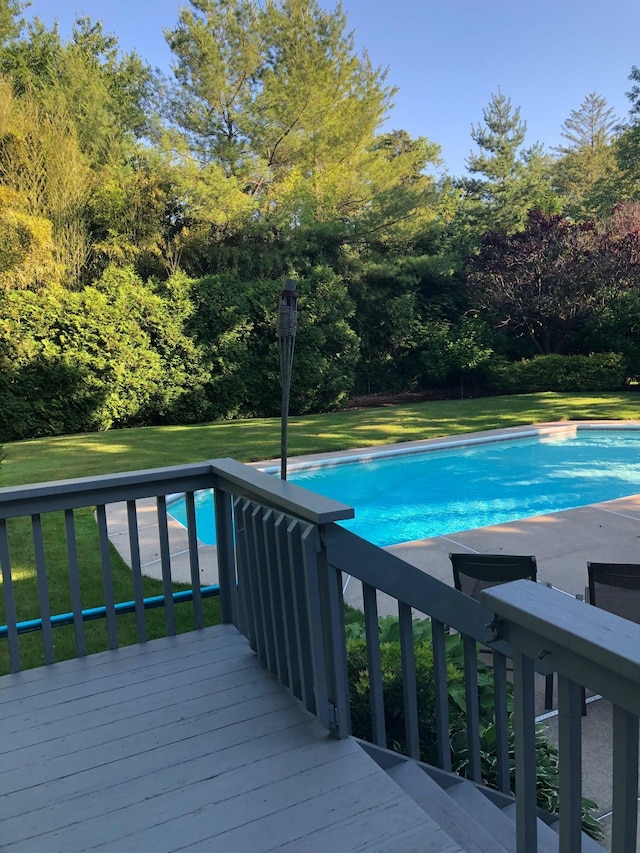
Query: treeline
[[147, 223]]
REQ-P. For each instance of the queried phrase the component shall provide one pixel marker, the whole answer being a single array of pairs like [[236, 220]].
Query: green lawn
[[251, 440], [126, 450]]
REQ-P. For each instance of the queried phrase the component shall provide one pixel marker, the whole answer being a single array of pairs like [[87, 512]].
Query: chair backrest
[[474, 572], [615, 587]]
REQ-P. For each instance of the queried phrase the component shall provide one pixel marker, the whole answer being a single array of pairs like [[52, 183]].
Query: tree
[[543, 282], [588, 159], [10, 21], [626, 183], [275, 96], [516, 179]]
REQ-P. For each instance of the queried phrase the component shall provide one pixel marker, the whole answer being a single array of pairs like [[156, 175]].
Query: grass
[[153, 447], [90, 454]]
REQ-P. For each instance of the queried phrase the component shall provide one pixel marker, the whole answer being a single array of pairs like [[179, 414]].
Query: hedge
[[596, 372]]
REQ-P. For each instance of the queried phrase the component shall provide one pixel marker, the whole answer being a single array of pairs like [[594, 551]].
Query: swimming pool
[[403, 497]]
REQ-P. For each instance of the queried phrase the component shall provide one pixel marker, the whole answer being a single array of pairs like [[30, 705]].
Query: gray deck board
[[186, 743]]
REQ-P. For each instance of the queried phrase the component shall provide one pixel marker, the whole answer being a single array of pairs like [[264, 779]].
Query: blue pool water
[[399, 498]]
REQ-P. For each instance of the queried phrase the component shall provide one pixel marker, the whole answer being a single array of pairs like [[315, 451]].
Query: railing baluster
[[136, 569], [245, 623], [43, 588], [267, 647], [298, 583], [335, 645], [310, 549], [254, 579], [625, 780], [275, 613], [472, 705], [409, 684], [74, 581], [374, 665], [293, 681], [570, 750], [107, 578], [165, 562], [525, 754], [500, 694], [226, 557], [194, 564], [9, 599], [441, 687], [246, 557]]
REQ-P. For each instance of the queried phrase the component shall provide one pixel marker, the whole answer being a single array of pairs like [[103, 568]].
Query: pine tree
[[515, 179], [587, 160]]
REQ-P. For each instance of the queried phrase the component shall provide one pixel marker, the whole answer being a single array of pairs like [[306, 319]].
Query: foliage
[[546, 281], [515, 179], [266, 157], [234, 327], [109, 355], [391, 667], [618, 329], [596, 372], [587, 158], [27, 257]]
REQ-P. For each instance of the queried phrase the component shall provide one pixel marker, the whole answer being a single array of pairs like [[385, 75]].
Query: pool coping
[[405, 448]]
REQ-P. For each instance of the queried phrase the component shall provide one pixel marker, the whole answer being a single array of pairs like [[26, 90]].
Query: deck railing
[[282, 562], [594, 649]]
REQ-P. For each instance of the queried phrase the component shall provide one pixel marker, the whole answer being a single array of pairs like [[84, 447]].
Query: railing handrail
[[592, 647], [239, 479], [423, 592]]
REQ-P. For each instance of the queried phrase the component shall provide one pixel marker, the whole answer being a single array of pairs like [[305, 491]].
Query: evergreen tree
[[587, 159], [626, 184], [514, 179]]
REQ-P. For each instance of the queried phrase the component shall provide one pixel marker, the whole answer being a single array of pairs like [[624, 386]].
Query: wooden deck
[[186, 743]]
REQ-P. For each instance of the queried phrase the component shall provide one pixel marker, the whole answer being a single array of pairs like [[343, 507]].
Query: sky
[[446, 57]]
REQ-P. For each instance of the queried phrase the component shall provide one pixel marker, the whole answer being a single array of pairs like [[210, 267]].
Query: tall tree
[[587, 159], [514, 179], [275, 95]]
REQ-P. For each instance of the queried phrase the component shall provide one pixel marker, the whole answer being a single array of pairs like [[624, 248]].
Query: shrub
[[596, 372]]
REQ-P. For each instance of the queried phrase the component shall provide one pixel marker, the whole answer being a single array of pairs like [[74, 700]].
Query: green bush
[[110, 355], [596, 372], [546, 753]]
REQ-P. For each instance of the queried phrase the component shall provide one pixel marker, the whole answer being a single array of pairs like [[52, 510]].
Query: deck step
[[488, 815], [479, 820], [472, 836]]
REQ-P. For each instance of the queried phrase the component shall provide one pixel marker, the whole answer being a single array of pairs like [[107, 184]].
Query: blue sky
[[446, 57]]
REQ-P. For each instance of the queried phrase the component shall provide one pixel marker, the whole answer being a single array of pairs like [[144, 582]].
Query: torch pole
[[287, 323]]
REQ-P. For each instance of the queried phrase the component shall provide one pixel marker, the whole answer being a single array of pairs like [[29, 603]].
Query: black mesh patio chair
[[474, 572], [615, 587]]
